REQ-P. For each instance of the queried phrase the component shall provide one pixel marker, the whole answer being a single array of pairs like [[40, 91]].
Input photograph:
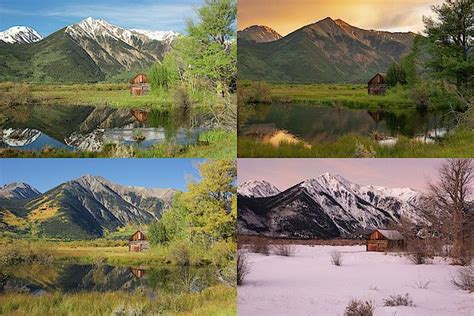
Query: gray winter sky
[[392, 173]]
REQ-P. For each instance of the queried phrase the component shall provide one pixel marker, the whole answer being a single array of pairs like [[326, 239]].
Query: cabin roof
[[141, 74], [138, 231], [379, 73], [391, 234]]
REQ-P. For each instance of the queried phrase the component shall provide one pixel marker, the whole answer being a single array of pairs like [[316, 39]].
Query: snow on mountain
[[326, 206], [96, 28], [167, 36], [18, 137], [368, 205], [257, 189], [115, 49], [20, 35], [18, 190]]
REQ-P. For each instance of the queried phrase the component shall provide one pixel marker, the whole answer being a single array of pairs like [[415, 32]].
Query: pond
[[314, 124], [89, 128], [74, 278]]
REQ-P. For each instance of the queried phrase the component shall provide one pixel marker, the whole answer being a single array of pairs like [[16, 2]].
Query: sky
[[48, 16], [45, 174], [391, 173], [285, 16]]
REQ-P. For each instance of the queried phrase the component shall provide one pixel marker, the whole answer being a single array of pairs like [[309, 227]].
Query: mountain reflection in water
[[89, 128]]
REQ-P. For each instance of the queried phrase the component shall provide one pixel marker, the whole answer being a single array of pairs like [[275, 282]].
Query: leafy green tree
[[396, 75], [212, 201], [163, 75], [451, 35], [209, 52], [157, 233]]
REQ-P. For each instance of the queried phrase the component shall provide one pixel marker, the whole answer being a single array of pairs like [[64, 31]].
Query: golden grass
[[43, 213], [13, 220]]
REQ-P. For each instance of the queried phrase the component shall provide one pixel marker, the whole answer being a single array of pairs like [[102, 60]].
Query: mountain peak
[[257, 189], [259, 34], [20, 35], [18, 190]]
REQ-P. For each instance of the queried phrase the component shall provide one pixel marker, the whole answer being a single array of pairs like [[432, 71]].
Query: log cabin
[[377, 85], [138, 242], [385, 240], [139, 85]]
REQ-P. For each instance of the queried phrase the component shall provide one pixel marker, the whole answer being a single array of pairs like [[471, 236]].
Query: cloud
[[287, 16], [136, 16]]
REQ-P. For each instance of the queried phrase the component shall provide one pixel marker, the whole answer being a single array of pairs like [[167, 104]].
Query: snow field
[[308, 284]]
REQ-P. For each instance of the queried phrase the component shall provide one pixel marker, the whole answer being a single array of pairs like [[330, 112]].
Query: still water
[[315, 124], [73, 278], [89, 128]]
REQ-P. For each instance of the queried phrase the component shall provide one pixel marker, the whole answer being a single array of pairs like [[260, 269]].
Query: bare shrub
[[418, 258], [260, 246], [359, 308], [464, 279], [336, 258], [398, 300], [422, 284], [243, 267], [284, 250]]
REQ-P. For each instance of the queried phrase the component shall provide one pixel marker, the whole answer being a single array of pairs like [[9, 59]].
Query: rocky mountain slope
[[258, 34], [88, 51], [257, 189], [86, 207], [326, 51], [326, 207], [20, 35], [18, 190]]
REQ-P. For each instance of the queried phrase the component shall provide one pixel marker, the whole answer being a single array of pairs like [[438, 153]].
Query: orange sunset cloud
[[287, 16]]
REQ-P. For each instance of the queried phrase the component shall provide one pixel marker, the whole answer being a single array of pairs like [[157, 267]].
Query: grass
[[98, 94], [215, 144], [459, 145], [218, 300], [347, 95]]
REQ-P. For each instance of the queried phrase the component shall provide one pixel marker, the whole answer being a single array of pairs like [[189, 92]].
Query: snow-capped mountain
[[114, 48], [327, 206], [18, 191], [167, 36], [20, 35], [257, 189], [259, 34]]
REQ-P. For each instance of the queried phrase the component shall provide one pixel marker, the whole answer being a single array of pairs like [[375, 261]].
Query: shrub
[[398, 300], [260, 246], [18, 253], [18, 94], [362, 152], [255, 92], [464, 279], [359, 308], [336, 258], [181, 97], [180, 253], [284, 250], [243, 267], [418, 257]]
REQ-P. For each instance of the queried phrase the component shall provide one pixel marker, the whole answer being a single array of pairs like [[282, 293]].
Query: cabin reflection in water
[[140, 115], [138, 273]]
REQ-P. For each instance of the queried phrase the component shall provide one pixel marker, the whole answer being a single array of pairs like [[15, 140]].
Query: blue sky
[[48, 16], [44, 174]]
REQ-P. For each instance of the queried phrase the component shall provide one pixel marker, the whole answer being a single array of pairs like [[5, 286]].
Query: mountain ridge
[[328, 206], [326, 51], [88, 51], [86, 207]]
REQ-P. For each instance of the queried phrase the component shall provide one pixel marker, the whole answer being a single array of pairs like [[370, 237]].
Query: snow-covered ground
[[308, 284]]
